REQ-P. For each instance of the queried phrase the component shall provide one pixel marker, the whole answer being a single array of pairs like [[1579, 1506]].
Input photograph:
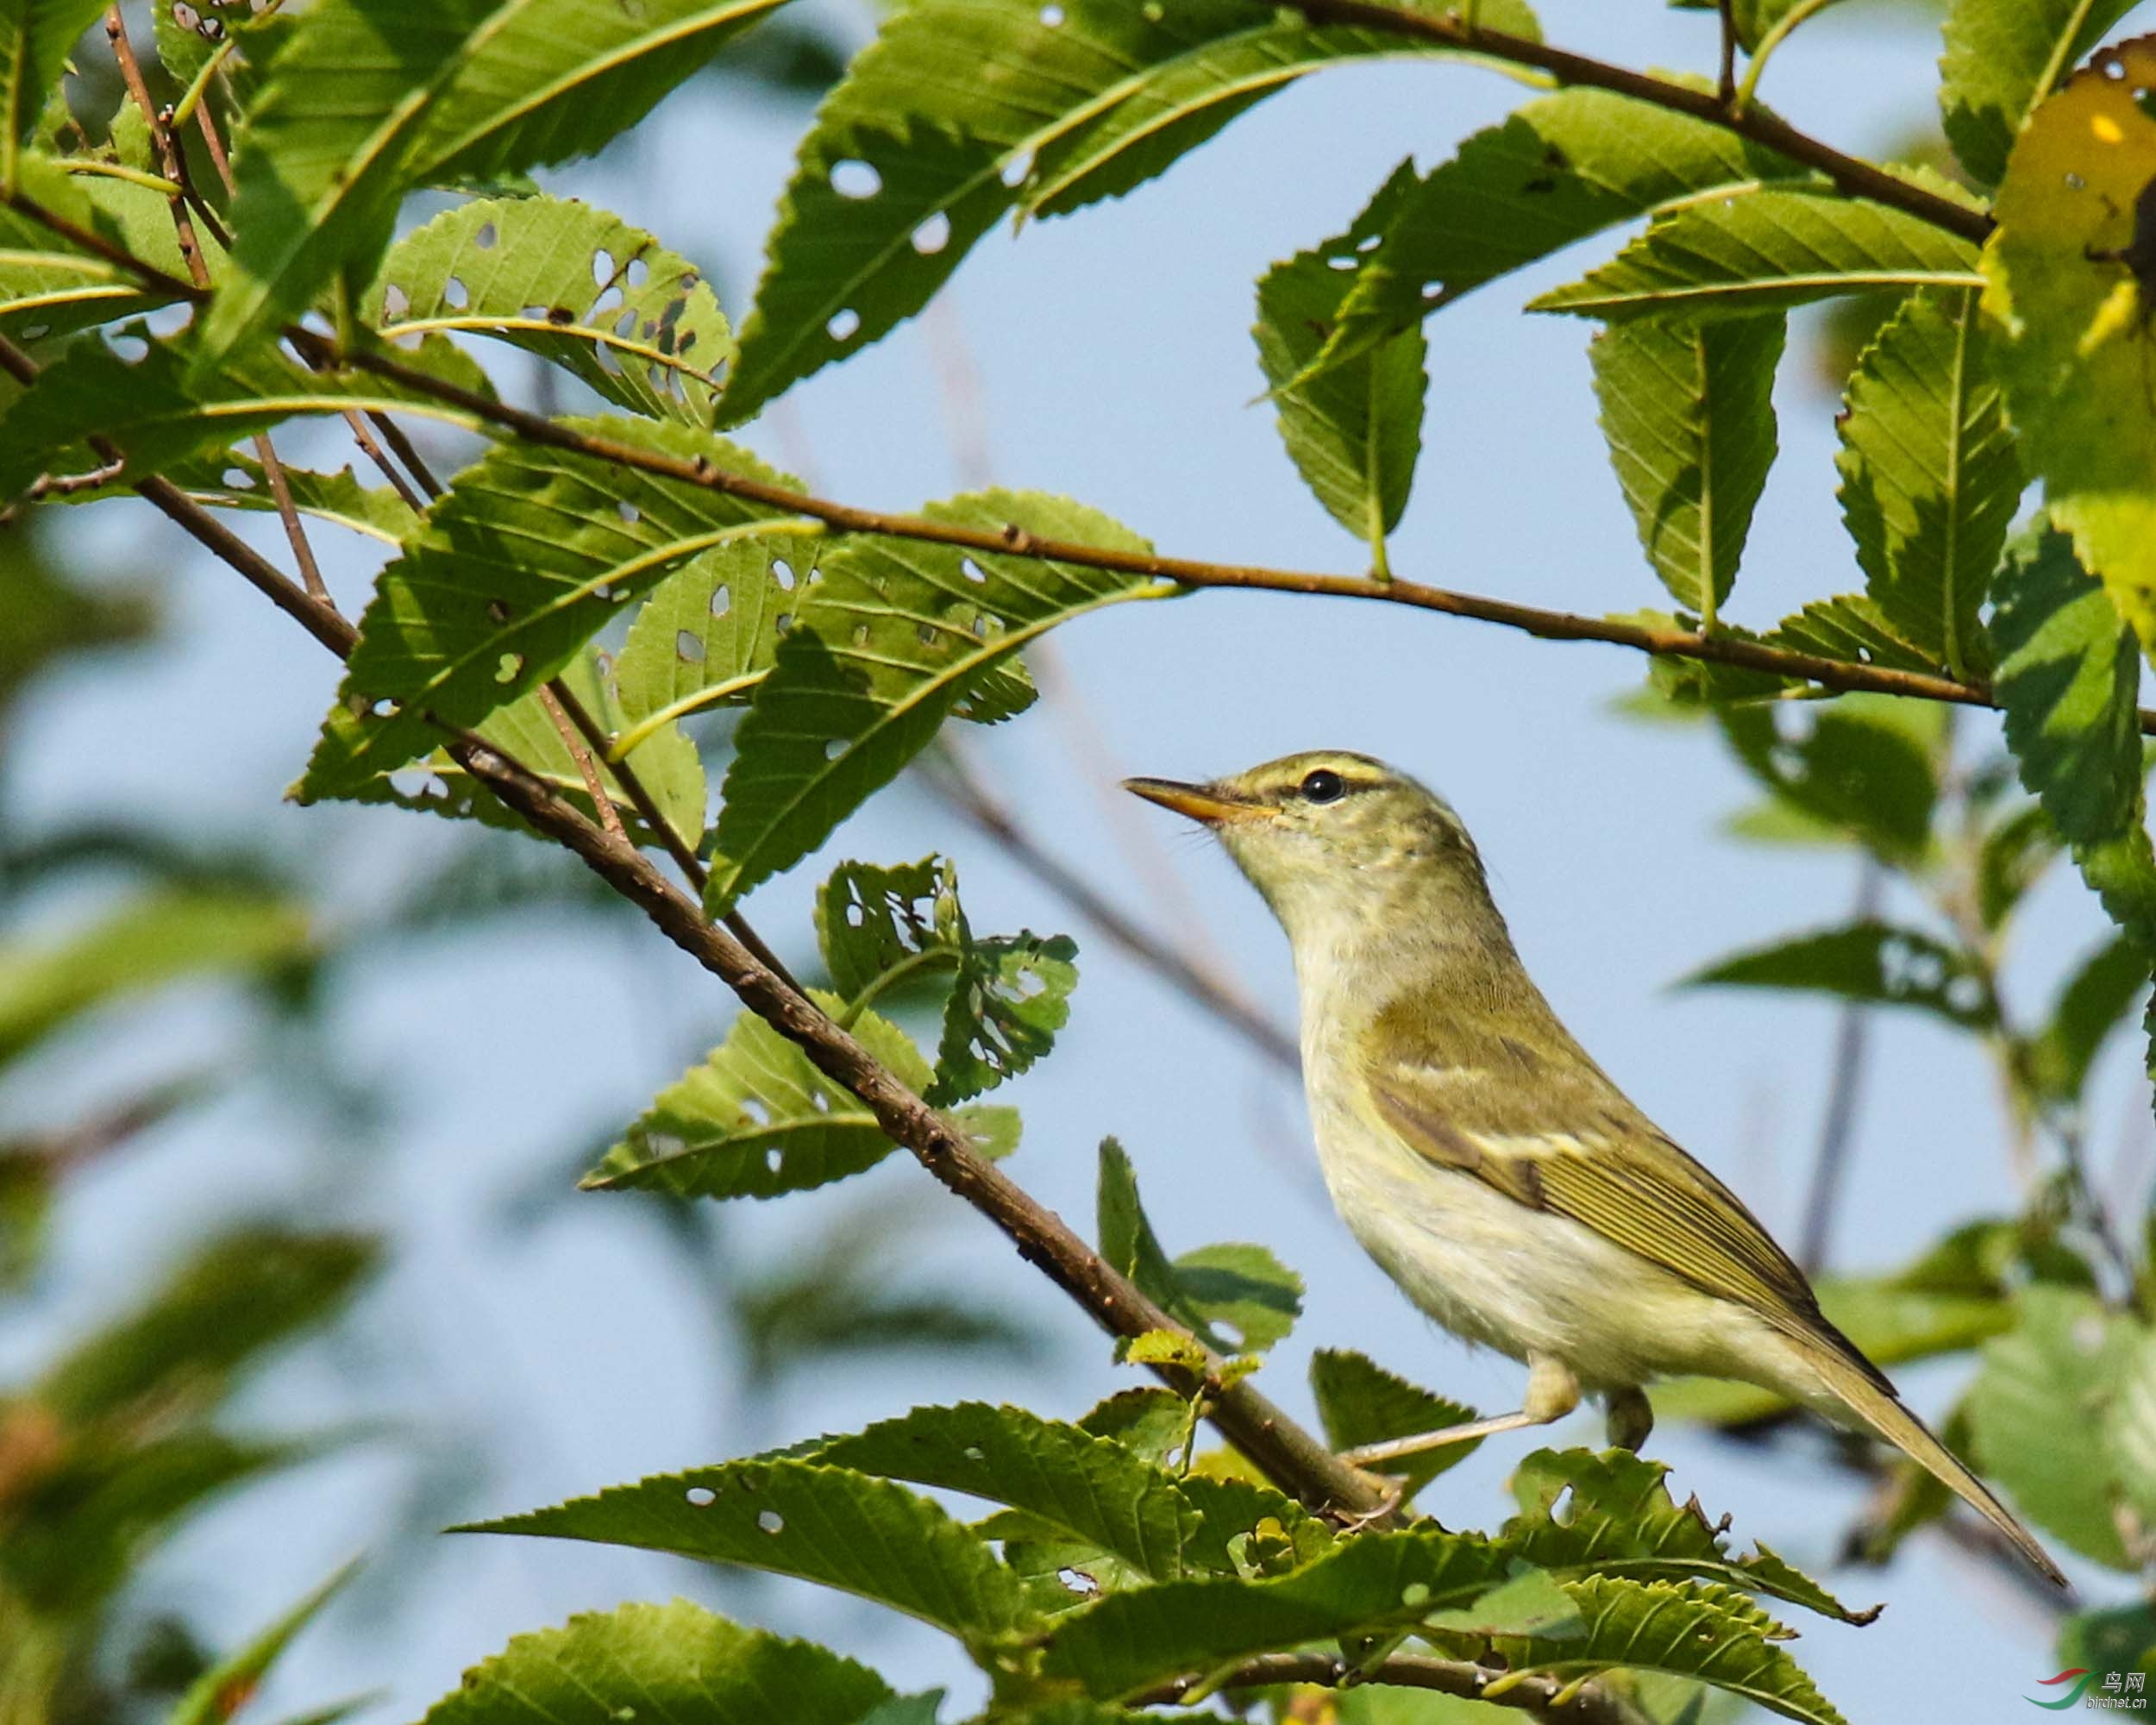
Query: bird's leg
[[1552, 1392], [1630, 1418]]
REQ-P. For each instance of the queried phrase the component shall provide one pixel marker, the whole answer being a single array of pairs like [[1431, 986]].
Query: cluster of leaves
[[629, 564]]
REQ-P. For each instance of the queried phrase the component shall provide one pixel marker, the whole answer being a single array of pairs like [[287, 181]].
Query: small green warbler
[[1495, 1172]]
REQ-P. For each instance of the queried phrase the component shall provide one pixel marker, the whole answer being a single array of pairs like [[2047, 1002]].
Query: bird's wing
[[1565, 1140]]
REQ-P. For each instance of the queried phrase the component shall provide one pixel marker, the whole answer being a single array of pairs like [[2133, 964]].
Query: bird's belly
[[1522, 1281]]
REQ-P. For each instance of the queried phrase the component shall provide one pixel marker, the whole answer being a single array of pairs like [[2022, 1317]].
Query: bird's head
[[1328, 836]]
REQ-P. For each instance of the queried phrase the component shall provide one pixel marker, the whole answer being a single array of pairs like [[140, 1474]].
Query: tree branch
[[1549, 1698]]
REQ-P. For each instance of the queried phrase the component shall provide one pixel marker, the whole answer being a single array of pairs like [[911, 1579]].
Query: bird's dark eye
[[1324, 786]]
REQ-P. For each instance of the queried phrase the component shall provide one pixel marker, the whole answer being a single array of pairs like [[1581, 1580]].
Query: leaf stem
[[890, 977], [1768, 43]]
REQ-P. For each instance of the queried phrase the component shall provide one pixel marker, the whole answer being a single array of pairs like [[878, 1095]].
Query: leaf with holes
[[1853, 627], [1586, 1513], [366, 99], [1689, 414], [2002, 58], [1694, 1629], [2069, 679], [667, 765], [708, 634], [1353, 433], [1126, 1643], [162, 409], [233, 480], [1929, 477], [1871, 961], [822, 1524], [524, 561], [1766, 251], [579, 287], [1087, 1488], [1866, 764], [667, 1664], [876, 927], [962, 109], [2071, 286], [1233, 1298], [1360, 1403], [889, 642], [756, 1118], [1559, 169]]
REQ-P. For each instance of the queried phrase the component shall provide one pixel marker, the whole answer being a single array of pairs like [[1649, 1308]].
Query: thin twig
[[1844, 1083], [1547, 1697], [962, 792], [1725, 63], [550, 698]]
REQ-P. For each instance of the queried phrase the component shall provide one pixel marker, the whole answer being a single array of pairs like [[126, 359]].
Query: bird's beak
[[1207, 803]]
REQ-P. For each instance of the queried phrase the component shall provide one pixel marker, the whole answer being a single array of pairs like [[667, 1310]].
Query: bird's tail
[[1861, 1390]]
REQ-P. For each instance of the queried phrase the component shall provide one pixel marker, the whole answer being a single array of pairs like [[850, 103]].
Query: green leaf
[[1850, 627], [707, 637], [1693, 1629], [1865, 763], [165, 936], [1355, 432], [660, 1664], [1929, 477], [2068, 678], [1766, 251], [518, 566], [1360, 1403], [1089, 1488], [1211, 1291], [876, 925], [1127, 1643], [2092, 1002], [2039, 1410], [2129, 1428], [887, 645], [220, 1692], [1874, 961], [757, 1117], [366, 99], [235, 1298], [1689, 414], [51, 287], [1011, 996], [161, 413], [235, 480], [36, 38], [579, 287], [827, 1525], [1560, 168], [1611, 1513], [917, 154], [2003, 58], [2071, 274], [2122, 1638]]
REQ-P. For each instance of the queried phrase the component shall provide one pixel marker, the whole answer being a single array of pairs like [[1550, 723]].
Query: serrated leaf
[[1929, 477], [707, 637], [1127, 1643], [827, 1525], [1210, 1291], [235, 480], [578, 286], [2002, 60], [1012, 994], [662, 1664], [214, 1695], [756, 1118], [1360, 1403], [366, 99], [916, 154], [2070, 282], [1087, 1488], [163, 409], [35, 38], [1693, 1630], [1353, 433], [1766, 251], [1865, 763], [890, 639], [1850, 627], [1874, 961], [1559, 169], [1152, 1422], [874, 923], [1689, 414], [2039, 1408], [2068, 678], [521, 561], [1610, 1513]]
